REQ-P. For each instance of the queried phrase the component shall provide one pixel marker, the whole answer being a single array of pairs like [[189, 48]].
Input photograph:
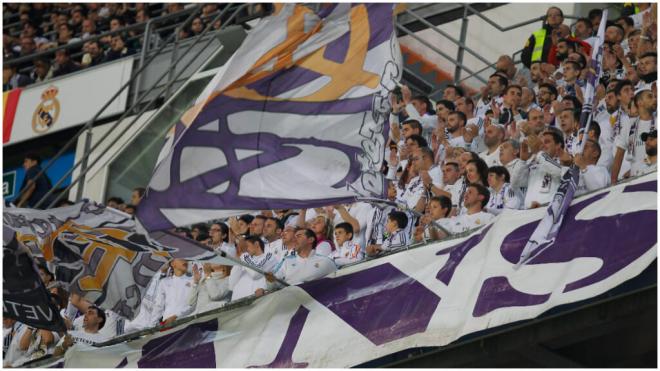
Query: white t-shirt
[[244, 281], [296, 269], [363, 212], [84, 337], [465, 222], [544, 178], [171, 298], [349, 252], [630, 140], [519, 172], [492, 159], [276, 248], [209, 293], [592, 178]]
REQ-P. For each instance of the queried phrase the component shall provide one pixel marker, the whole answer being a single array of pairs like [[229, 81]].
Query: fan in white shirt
[[439, 208], [305, 265], [93, 321], [502, 194], [620, 164], [244, 281], [569, 121], [545, 169], [173, 291], [210, 291], [273, 234], [493, 137], [453, 183], [517, 168], [475, 199], [219, 237], [397, 236], [348, 251], [360, 215], [592, 176]]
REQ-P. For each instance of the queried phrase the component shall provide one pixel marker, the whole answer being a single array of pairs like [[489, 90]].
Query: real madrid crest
[[47, 112]]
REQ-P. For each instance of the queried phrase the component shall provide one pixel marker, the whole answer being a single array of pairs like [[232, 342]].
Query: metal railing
[[83, 163], [460, 68]]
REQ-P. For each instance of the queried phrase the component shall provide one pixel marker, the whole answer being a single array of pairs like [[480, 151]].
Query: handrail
[[83, 172], [93, 119], [435, 49], [443, 33], [462, 46]]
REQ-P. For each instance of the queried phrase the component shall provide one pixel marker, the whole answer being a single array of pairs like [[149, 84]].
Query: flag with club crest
[[97, 252], [296, 118], [546, 232]]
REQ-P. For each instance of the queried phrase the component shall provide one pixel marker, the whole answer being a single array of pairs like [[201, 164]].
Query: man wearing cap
[[634, 147], [651, 144]]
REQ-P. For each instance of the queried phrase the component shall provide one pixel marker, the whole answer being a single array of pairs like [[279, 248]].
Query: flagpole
[[546, 231]]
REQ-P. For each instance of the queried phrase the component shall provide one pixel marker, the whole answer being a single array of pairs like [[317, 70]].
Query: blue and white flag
[[546, 232], [296, 118]]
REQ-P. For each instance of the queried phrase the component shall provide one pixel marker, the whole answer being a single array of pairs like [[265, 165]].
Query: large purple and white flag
[[546, 232], [296, 118]]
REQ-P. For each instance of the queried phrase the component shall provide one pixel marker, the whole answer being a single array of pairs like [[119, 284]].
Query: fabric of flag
[[594, 73], [296, 118], [98, 253], [24, 296], [546, 232]]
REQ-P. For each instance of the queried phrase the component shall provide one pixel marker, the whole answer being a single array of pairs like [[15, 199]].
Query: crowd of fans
[[32, 28], [452, 166]]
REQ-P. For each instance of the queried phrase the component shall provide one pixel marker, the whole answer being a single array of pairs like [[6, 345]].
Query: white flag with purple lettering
[[296, 119]]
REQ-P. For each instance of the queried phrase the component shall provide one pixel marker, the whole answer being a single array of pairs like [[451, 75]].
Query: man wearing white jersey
[[273, 234], [475, 199], [545, 169], [517, 168], [493, 137], [94, 320], [592, 176], [645, 123], [622, 129], [305, 265], [173, 291], [244, 281]]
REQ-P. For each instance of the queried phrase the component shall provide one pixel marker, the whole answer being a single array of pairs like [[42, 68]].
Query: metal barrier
[[235, 12], [460, 67]]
